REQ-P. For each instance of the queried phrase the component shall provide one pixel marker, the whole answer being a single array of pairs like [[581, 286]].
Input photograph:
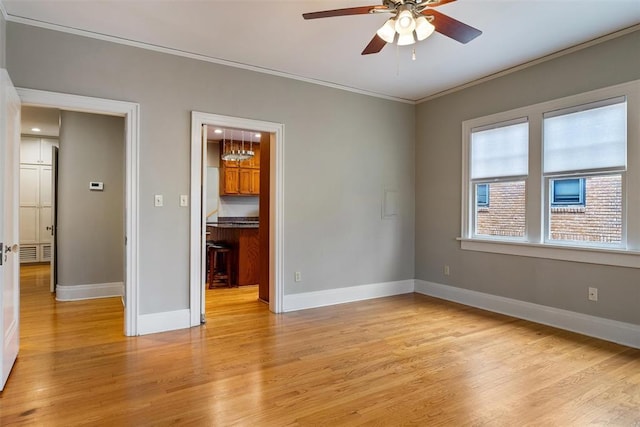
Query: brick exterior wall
[[505, 215], [600, 220]]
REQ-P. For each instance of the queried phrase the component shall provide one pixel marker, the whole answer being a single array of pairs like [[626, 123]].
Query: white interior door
[[53, 199], [9, 227]]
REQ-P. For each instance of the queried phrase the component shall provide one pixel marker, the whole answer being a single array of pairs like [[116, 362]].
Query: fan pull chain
[[413, 54], [397, 60]]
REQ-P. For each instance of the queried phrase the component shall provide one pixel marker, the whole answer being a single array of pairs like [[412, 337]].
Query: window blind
[[591, 139], [500, 151]]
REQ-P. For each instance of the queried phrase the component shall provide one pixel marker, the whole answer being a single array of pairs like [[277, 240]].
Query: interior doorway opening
[[130, 113], [269, 207], [235, 193], [92, 266]]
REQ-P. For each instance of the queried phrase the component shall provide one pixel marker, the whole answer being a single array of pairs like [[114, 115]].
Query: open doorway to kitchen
[[255, 217], [234, 250]]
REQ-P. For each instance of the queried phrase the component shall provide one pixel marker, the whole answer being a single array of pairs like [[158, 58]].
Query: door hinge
[[1, 253]]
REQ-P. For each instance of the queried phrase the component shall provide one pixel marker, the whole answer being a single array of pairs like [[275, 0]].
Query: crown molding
[[197, 56], [534, 62], [3, 10]]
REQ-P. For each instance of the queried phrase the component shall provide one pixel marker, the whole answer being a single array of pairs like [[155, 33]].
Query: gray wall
[[90, 223], [438, 182], [341, 150], [3, 39]]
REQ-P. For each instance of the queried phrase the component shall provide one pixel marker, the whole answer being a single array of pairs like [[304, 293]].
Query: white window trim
[[534, 244]]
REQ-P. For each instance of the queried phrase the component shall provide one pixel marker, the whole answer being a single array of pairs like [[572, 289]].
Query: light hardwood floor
[[403, 360]]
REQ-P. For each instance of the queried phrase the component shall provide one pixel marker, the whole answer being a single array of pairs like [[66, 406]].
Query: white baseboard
[[293, 302], [94, 290], [610, 330], [164, 321]]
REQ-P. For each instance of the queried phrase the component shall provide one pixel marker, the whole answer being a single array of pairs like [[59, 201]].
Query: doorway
[[234, 174], [130, 113], [79, 230], [270, 217]]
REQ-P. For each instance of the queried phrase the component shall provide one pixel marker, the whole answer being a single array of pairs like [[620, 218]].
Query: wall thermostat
[[96, 186]]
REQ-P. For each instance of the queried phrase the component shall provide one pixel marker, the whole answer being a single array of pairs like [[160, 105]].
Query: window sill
[[568, 209], [603, 256]]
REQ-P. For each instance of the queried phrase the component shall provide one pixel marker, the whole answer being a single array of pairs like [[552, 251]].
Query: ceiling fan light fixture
[[388, 31], [405, 22], [406, 39], [424, 28]]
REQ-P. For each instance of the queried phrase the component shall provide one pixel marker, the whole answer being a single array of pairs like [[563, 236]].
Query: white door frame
[[198, 214], [131, 113]]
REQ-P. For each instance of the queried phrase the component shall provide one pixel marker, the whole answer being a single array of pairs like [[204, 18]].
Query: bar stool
[[219, 256]]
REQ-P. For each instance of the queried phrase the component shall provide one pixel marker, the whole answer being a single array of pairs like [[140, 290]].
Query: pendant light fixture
[[235, 152]]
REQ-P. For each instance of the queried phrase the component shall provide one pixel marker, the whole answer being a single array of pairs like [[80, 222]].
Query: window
[[499, 153], [546, 179], [567, 192], [482, 195], [590, 140]]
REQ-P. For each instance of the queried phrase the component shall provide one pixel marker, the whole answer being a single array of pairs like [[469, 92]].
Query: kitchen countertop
[[228, 224], [235, 222]]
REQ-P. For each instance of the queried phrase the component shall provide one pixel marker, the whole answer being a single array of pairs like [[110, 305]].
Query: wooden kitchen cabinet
[[254, 162], [249, 181], [229, 181], [241, 178]]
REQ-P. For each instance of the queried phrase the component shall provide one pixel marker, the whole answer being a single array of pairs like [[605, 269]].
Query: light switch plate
[[184, 200], [158, 200]]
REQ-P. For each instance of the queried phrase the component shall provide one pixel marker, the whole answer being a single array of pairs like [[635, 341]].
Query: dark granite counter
[[235, 222], [233, 225]]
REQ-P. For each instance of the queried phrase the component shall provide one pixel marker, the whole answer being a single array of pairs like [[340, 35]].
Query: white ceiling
[[45, 119], [271, 35]]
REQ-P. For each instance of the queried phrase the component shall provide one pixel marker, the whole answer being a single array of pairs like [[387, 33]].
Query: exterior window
[[556, 180], [566, 192], [499, 153], [482, 195], [589, 139]]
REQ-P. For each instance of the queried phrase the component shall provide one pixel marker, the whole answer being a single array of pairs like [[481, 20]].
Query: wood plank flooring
[[403, 360]]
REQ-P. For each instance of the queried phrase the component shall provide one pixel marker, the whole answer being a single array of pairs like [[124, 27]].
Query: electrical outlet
[[593, 294], [298, 276], [447, 271], [158, 200], [184, 200]]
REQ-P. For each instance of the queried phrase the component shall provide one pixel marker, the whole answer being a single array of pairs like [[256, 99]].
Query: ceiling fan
[[413, 20]]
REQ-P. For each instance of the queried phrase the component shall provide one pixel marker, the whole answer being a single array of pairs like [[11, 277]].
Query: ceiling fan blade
[[440, 3], [375, 45], [453, 28], [360, 10]]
